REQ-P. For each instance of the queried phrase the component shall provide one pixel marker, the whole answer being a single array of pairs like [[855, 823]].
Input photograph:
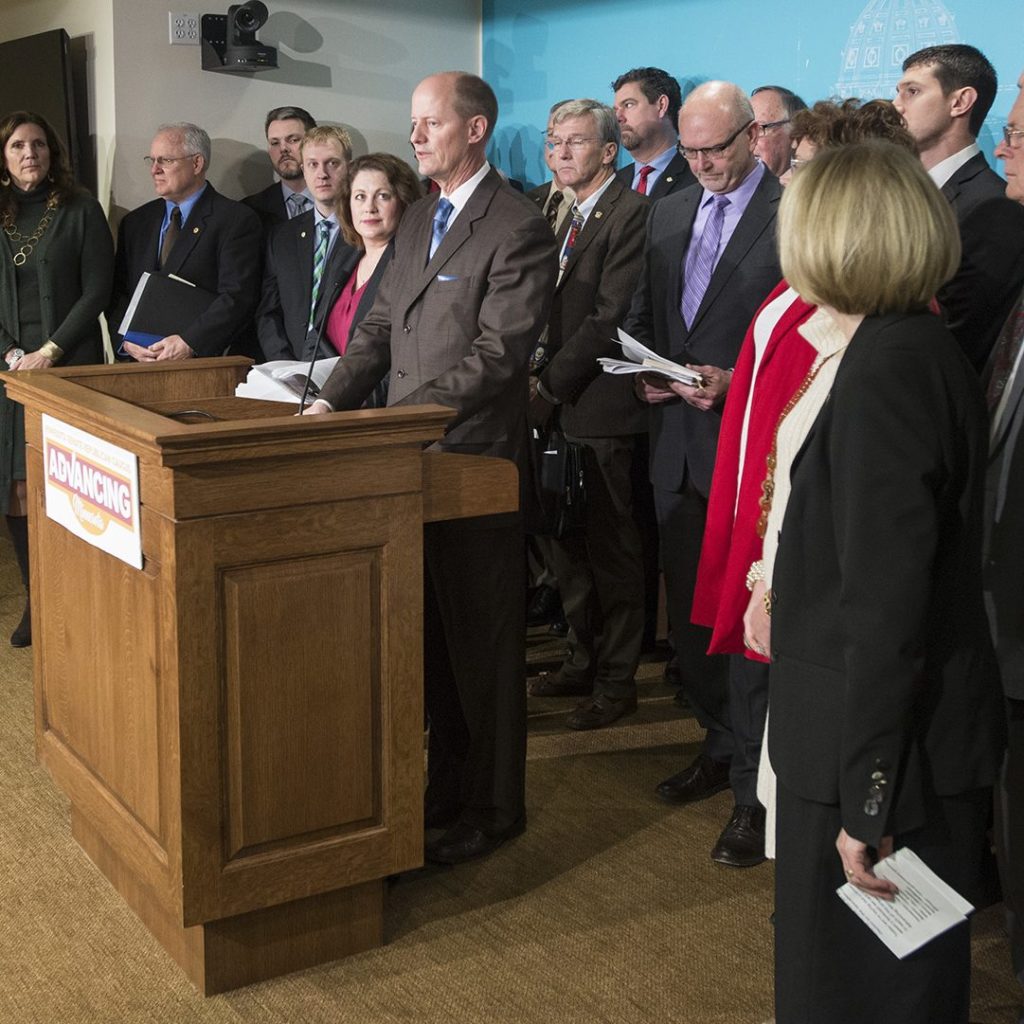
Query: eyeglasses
[[1009, 134], [165, 161], [769, 126], [713, 151], [576, 142], [795, 165]]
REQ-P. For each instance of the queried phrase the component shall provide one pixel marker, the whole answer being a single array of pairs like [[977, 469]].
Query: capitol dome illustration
[[883, 36]]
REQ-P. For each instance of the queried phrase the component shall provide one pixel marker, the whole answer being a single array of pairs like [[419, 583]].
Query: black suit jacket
[[218, 249], [268, 205], [883, 683], [978, 298], [591, 300], [283, 314], [676, 176], [1004, 554], [684, 439]]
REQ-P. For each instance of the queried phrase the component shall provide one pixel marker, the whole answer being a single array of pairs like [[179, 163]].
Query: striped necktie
[[701, 260], [440, 227], [319, 262]]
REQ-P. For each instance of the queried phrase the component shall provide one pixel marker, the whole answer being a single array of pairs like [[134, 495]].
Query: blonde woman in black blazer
[[886, 725]]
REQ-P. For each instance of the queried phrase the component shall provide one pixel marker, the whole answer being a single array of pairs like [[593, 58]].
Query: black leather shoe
[[600, 711], [556, 684], [22, 635], [464, 842], [703, 778], [544, 607], [741, 844]]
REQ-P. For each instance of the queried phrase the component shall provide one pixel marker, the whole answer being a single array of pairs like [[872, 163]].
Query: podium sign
[[92, 489]]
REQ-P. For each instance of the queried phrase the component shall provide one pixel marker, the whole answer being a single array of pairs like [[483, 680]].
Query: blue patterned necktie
[[319, 261], [297, 204], [441, 215], [700, 261]]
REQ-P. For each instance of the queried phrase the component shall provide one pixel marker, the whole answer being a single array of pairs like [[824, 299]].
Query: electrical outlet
[[184, 29]]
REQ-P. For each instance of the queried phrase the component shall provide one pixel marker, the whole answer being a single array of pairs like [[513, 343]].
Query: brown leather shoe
[[702, 778], [741, 844], [599, 711]]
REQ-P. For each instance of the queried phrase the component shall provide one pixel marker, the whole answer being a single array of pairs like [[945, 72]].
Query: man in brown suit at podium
[[454, 322]]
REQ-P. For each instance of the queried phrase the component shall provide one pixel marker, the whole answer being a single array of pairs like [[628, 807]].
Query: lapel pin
[[302, 234], [597, 215], [195, 231], [669, 180]]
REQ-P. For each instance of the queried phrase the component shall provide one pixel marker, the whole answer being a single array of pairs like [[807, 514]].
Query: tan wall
[[89, 23], [352, 63]]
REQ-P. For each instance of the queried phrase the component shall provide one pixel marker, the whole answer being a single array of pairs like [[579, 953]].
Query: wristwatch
[[12, 357]]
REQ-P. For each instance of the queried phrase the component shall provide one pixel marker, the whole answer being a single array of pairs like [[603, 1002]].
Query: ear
[[477, 128], [611, 151], [961, 101], [662, 104]]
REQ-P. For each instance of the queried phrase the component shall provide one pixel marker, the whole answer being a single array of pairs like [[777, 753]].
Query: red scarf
[[731, 542]]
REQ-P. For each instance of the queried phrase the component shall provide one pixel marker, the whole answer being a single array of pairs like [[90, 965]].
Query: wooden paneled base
[[235, 951]]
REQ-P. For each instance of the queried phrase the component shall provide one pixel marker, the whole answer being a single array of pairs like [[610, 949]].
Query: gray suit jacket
[[458, 330], [684, 439], [1004, 540]]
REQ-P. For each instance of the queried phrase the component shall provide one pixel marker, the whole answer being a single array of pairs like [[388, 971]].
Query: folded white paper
[[641, 359], [924, 907]]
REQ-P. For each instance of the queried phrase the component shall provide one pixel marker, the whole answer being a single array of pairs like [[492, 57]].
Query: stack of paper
[[284, 380], [640, 359]]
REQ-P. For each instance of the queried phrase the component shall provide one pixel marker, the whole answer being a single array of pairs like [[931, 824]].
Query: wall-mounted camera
[[229, 41]]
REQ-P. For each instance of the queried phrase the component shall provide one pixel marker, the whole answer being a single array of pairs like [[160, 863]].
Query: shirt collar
[[289, 192], [586, 207], [662, 160], [740, 196], [186, 205], [945, 169], [465, 191]]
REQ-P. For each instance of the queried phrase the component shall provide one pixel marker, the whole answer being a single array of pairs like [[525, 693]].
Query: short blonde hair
[[325, 133], [864, 230]]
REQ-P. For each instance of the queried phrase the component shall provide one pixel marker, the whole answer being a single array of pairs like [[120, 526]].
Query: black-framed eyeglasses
[[714, 151], [767, 127], [1009, 134]]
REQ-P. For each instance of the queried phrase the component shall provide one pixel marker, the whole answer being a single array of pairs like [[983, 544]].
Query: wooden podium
[[239, 725]]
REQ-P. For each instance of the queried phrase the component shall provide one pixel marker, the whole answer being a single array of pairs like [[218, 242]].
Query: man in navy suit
[[710, 261], [289, 315], [288, 197], [646, 105], [944, 96], [194, 232]]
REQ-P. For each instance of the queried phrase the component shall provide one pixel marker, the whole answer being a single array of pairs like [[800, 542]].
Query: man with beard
[[289, 197]]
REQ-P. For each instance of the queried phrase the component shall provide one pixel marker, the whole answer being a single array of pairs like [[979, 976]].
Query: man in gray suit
[[710, 261], [455, 321], [1004, 560]]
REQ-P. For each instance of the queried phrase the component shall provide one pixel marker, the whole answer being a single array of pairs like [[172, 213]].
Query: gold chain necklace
[[771, 462], [29, 240]]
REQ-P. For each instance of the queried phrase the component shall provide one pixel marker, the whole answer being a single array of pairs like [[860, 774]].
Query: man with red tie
[[647, 102]]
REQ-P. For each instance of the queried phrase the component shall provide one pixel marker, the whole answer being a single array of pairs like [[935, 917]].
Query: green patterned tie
[[319, 260]]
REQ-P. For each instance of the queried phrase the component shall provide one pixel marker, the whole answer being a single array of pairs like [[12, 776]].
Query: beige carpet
[[607, 910]]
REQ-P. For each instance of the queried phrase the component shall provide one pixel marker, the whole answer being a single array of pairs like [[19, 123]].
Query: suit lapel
[[757, 218], [191, 231], [151, 236], [458, 234], [677, 168], [593, 227]]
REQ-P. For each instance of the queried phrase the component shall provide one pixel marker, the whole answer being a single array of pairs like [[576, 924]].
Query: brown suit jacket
[[458, 330], [591, 300]]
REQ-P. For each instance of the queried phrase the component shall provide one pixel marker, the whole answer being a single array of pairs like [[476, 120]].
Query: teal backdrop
[[538, 51]]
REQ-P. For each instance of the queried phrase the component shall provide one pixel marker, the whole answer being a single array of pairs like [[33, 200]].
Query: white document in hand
[[641, 359], [924, 907]]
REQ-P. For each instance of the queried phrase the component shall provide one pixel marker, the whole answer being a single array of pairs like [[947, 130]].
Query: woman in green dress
[[56, 267]]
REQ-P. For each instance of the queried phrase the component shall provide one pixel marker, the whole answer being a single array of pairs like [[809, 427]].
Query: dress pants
[[748, 708], [474, 668], [601, 573], [1010, 834], [681, 517], [829, 966]]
